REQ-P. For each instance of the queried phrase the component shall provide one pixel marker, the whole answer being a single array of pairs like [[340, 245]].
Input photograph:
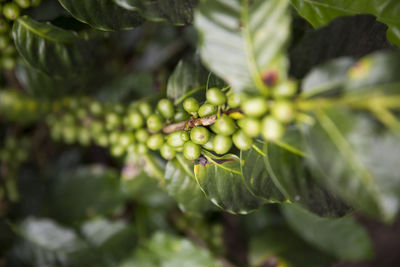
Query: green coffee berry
[[95, 108], [222, 144], [155, 141], [142, 148], [155, 123], [215, 96], [101, 139], [69, 134], [242, 141], [36, 2], [191, 105], [177, 138], [255, 106], [250, 126], [4, 41], [224, 125], [283, 111], [199, 135], [207, 110], [191, 151], [285, 89], [145, 109], [142, 135], [96, 127], [11, 11], [126, 139], [117, 150], [181, 115], [210, 143], [7, 62], [134, 120], [166, 108], [84, 137], [23, 3], [271, 129], [113, 121], [3, 25], [167, 152], [236, 99]]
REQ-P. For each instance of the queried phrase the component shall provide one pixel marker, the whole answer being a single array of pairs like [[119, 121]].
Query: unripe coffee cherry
[[36, 2], [177, 138], [95, 108], [4, 41], [236, 99], [142, 149], [154, 123], [283, 111], [84, 136], [215, 96], [271, 129], [199, 135], [7, 62], [224, 125], [191, 151], [242, 141], [142, 135], [181, 115], [155, 141], [207, 110], [113, 121], [23, 3], [145, 109], [114, 137], [126, 138], [3, 25], [101, 139], [285, 89], [210, 143], [250, 126], [166, 108], [167, 152], [117, 150], [191, 105], [222, 144], [11, 11], [255, 106], [134, 120]]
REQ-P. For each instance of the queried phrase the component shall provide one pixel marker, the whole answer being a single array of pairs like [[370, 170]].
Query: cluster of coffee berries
[[14, 152], [10, 11], [22, 109]]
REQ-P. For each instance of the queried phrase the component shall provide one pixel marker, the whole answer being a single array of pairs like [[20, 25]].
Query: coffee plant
[[197, 132]]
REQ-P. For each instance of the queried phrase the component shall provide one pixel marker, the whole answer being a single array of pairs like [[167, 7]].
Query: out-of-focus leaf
[[178, 12], [286, 167], [243, 42], [102, 14], [356, 158], [182, 186], [50, 49], [256, 176], [84, 193], [326, 77], [343, 238], [222, 181], [319, 13], [167, 250]]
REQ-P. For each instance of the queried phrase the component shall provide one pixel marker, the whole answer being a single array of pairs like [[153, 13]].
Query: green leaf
[[255, 174], [102, 14], [167, 250], [85, 192], [319, 13], [50, 49], [222, 181], [182, 186], [326, 77], [286, 166], [343, 238], [243, 42], [359, 160], [178, 12]]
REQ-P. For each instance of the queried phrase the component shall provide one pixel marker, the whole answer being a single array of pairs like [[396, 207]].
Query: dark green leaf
[[343, 238], [182, 186], [102, 14], [50, 49], [256, 176], [319, 13], [286, 167], [243, 42], [357, 159], [222, 181], [178, 12]]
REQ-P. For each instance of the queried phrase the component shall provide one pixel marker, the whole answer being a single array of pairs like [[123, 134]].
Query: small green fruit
[[283, 111], [4, 41], [177, 138], [207, 110], [250, 126], [224, 125], [242, 141], [210, 143], [145, 109], [222, 144], [199, 135], [11, 11], [155, 141], [191, 105], [126, 139], [134, 120], [3, 25], [166, 108], [142, 135], [255, 106], [167, 152], [191, 151], [23, 3], [285, 89], [271, 129], [155, 123], [181, 115], [236, 99], [215, 96]]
